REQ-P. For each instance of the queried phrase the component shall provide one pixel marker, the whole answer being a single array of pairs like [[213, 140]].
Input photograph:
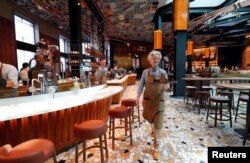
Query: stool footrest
[[219, 118]]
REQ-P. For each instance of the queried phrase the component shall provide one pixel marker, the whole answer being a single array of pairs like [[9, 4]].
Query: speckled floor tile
[[185, 137]]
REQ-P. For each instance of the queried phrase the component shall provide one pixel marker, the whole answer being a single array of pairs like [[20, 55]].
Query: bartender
[[8, 80], [41, 67], [101, 73]]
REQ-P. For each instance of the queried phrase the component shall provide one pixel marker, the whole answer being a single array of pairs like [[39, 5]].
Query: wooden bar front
[[126, 80], [56, 125]]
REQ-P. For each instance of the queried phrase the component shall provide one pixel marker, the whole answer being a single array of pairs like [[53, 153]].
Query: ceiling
[[211, 21]]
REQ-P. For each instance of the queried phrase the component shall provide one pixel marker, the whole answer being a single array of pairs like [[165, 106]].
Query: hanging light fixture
[[207, 53], [190, 47], [180, 16], [157, 39]]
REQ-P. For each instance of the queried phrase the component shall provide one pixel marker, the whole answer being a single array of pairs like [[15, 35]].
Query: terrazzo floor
[[185, 137]]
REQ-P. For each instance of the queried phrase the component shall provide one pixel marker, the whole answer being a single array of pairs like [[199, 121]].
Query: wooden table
[[230, 79], [240, 86], [129, 79]]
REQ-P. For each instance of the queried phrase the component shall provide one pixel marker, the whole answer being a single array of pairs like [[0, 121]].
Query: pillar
[[75, 28], [179, 62], [189, 65], [180, 25]]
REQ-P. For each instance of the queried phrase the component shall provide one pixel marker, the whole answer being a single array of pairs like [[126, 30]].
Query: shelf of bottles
[[74, 62]]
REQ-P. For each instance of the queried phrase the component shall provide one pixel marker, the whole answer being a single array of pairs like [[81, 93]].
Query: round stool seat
[[119, 112], [90, 129], [219, 98], [206, 87], [191, 87], [244, 98], [227, 93], [203, 93], [34, 150], [129, 102]]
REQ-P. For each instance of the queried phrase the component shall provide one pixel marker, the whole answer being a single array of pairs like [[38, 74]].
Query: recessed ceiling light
[[39, 7]]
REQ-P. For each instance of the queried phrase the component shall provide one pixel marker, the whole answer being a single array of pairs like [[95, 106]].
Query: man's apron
[[6, 92], [153, 102]]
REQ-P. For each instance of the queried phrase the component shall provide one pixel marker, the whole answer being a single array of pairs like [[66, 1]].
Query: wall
[[7, 42], [198, 57], [7, 33], [245, 60], [230, 56], [121, 56], [123, 59]]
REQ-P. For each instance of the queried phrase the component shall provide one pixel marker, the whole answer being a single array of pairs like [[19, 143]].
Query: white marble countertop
[[215, 78], [119, 81], [14, 108]]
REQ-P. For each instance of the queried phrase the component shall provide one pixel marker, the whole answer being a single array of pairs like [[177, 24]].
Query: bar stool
[[131, 103], [31, 151], [229, 94], [88, 130], [219, 100], [207, 88], [246, 130], [189, 92], [218, 88], [120, 112], [243, 97], [202, 97]]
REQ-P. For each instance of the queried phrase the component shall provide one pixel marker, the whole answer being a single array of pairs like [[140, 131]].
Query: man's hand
[[10, 83], [138, 100]]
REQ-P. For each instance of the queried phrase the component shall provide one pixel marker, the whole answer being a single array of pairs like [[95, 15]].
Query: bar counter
[[126, 80], [53, 116]]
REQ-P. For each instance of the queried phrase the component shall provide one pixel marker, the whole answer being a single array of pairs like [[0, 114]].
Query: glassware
[[157, 75], [52, 89]]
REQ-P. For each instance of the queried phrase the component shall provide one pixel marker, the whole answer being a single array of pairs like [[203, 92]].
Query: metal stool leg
[[76, 152], [106, 146], [84, 150], [113, 133], [101, 148], [216, 110], [230, 114], [130, 129], [246, 130], [237, 109]]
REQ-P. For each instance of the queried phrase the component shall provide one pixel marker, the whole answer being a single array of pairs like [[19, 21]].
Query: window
[[86, 48], [24, 56], [25, 30], [63, 62], [64, 45], [26, 33]]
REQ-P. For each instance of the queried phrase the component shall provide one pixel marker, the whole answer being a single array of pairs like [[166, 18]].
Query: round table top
[[238, 86]]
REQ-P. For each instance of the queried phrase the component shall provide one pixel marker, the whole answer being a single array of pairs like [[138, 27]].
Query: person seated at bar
[[41, 67], [24, 73], [155, 81], [8, 80], [101, 73]]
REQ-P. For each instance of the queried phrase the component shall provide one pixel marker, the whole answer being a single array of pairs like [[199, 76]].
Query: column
[[179, 62], [75, 34], [180, 23]]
